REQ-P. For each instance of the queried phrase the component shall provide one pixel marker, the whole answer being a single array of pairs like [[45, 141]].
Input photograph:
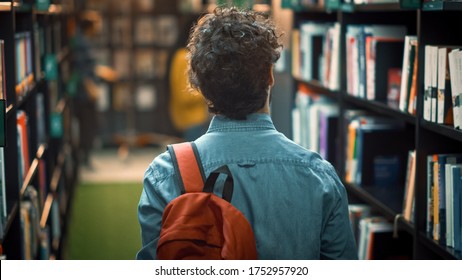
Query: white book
[[441, 83], [331, 52], [434, 83], [405, 70], [334, 78], [427, 83], [442, 91], [455, 71], [352, 59]]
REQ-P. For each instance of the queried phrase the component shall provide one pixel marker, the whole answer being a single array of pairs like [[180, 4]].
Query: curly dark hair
[[231, 53]]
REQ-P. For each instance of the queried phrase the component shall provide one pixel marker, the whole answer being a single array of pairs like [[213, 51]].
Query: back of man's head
[[231, 54]]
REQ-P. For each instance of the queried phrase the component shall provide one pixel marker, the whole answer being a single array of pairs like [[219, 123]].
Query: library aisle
[[100, 229]]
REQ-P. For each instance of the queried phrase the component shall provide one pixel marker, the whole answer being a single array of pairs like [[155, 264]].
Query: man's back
[[291, 197]]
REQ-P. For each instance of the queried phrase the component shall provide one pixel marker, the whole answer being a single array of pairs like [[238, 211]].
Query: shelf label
[[51, 67], [56, 125], [42, 5]]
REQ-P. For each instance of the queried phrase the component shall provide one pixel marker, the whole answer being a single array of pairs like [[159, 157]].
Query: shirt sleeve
[[337, 241], [159, 189]]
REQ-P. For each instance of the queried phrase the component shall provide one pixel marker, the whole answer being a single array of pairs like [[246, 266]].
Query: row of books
[[444, 199], [443, 85], [375, 236], [37, 239], [26, 74], [24, 134], [147, 63], [376, 149], [315, 122], [160, 30], [143, 98], [374, 55], [24, 70], [370, 161], [382, 66], [316, 53]]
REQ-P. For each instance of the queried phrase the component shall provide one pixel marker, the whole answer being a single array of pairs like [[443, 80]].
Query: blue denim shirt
[[293, 198]]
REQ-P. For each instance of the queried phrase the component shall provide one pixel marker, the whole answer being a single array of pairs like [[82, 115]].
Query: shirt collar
[[256, 121]]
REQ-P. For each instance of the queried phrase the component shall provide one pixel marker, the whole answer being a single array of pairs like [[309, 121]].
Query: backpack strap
[[228, 184], [188, 166]]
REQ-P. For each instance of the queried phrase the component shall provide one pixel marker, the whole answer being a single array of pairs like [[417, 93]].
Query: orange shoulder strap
[[188, 166]]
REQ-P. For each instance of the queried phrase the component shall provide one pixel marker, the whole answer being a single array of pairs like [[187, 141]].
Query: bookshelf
[[434, 23], [39, 157]]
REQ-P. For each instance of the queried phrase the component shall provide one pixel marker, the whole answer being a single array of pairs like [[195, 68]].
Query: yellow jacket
[[187, 107]]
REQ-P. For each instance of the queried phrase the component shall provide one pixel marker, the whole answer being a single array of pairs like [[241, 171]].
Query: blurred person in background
[[89, 74], [188, 109]]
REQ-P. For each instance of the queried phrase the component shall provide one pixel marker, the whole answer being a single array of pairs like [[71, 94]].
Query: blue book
[[457, 184]]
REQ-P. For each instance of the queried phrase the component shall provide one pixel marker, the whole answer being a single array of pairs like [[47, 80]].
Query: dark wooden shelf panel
[[443, 251], [319, 88], [386, 200], [29, 93], [380, 108], [445, 130]]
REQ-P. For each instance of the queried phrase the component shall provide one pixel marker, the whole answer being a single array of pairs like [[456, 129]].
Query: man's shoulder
[[303, 155], [161, 167]]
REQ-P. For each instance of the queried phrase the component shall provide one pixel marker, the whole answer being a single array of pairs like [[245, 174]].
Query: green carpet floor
[[104, 223]]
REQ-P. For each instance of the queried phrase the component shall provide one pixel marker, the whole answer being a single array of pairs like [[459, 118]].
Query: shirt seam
[[240, 128], [300, 163]]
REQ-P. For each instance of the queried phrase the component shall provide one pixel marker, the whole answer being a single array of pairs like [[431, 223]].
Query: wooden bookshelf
[[428, 138], [45, 95]]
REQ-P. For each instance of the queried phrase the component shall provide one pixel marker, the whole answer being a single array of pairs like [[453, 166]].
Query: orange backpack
[[199, 224]]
